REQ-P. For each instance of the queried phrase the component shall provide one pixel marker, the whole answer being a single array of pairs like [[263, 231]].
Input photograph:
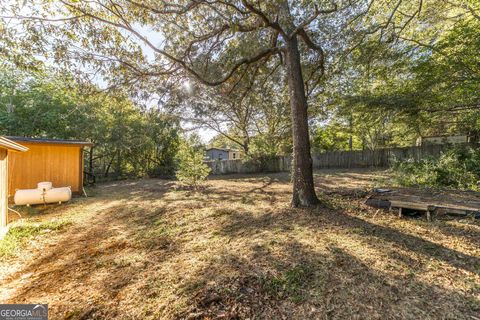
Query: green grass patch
[[159, 236], [291, 284], [19, 235]]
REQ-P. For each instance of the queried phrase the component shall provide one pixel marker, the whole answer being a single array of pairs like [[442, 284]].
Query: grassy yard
[[234, 250]]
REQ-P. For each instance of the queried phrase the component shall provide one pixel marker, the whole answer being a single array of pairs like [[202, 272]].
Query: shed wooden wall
[[3, 187], [60, 164]]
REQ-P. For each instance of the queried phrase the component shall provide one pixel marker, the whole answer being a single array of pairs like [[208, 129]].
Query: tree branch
[[264, 17], [305, 24], [308, 41], [247, 60], [179, 11], [44, 19]]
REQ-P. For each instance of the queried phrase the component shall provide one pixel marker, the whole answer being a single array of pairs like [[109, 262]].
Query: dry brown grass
[[146, 250]]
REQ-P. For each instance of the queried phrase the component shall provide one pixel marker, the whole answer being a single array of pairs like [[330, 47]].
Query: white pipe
[[15, 211]]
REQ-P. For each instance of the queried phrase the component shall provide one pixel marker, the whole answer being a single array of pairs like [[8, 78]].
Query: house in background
[[7, 149], [223, 154], [443, 139], [54, 160]]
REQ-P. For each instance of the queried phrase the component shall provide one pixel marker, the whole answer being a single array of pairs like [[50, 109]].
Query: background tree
[[191, 168], [130, 140], [421, 82]]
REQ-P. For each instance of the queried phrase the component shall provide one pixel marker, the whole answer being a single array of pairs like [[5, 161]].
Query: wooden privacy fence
[[384, 157], [332, 160], [276, 164]]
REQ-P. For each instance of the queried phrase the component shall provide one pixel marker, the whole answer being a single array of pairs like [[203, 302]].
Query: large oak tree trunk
[[302, 171]]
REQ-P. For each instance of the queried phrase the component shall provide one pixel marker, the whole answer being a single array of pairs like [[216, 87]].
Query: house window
[[220, 156], [234, 155]]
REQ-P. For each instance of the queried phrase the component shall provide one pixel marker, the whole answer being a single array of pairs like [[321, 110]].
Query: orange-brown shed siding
[[3, 187], [62, 164], [7, 147]]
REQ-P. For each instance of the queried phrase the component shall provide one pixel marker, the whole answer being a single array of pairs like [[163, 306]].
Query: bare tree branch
[[305, 24], [246, 60], [263, 16], [308, 41], [20, 17]]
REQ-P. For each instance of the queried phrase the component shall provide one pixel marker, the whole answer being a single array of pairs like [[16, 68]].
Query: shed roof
[[11, 145], [51, 141]]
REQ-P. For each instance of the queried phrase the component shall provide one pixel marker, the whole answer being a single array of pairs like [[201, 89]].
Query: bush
[[191, 169], [457, 168]]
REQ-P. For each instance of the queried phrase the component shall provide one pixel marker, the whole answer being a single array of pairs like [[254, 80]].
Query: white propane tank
[[44, 186], [28, 196], [58, 195], [43, 194]]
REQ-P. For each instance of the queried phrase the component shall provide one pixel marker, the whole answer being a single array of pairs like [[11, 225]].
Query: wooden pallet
[[433, 203]]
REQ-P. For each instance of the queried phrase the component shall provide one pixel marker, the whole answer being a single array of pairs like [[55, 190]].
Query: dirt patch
[[147, 250]]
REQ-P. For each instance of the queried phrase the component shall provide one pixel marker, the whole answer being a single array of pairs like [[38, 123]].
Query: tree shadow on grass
[[294, 281], [270, 191], [245, 224], [252, 177], [155, 189], [463, 232], [95, 263], [260, 267]]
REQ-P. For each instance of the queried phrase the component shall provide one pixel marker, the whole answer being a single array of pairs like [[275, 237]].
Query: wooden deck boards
[[430, 201]]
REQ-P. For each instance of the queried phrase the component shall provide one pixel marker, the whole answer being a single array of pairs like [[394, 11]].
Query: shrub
[[455, 168], [191, 169]]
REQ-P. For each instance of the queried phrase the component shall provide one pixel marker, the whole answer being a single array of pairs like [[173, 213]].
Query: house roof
[[11, 145], [223, 149], [51, 141]]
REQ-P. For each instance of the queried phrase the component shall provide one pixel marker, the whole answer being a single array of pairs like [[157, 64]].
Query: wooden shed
[[54, 160], [7, 150]]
